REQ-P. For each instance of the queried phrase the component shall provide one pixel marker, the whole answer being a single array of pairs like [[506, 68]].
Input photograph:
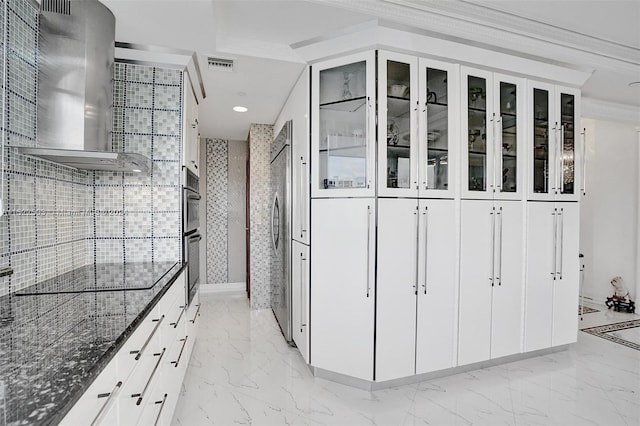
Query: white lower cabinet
[[552, 274], [300, 292], [152, 362], [491, 280], [416, 287], [342, 317]]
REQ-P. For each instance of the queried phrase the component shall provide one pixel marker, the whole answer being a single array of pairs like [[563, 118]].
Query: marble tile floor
[[242, 372]]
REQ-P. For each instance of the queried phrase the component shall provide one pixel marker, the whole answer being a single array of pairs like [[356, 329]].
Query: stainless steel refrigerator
[[280, 229]]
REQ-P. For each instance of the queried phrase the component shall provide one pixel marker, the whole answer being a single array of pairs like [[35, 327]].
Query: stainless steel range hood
[[75, 94]]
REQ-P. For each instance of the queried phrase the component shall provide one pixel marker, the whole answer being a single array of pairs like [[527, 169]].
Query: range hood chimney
[[75, 94]]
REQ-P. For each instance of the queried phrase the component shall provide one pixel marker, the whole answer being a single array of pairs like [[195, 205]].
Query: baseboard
[[223, 288]]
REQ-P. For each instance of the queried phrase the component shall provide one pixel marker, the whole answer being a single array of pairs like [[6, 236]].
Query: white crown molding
[[603, 110], [480, 25]]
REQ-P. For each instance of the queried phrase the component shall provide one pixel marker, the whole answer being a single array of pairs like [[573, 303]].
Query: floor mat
[[626, 333]]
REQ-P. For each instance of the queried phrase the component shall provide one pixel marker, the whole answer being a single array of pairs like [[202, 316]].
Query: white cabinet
[[141, 384], [343, 130], [416, 287], [416, 126], [556, 167], [300, 296], [342, 273], [300, 176], [493, 133], [191, 131], [552, 274], [491, 283]]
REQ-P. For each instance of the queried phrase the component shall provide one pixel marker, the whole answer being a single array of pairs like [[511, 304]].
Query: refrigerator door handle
[[302, 200]]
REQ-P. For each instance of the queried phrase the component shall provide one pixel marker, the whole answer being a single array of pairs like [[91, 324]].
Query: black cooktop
[[102, 277]]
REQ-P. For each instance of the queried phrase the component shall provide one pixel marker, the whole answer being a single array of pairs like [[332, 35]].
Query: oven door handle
[[195, 238], [196, 197]]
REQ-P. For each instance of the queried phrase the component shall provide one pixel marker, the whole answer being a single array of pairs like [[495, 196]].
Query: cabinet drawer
[[98, 403], [145, 340]]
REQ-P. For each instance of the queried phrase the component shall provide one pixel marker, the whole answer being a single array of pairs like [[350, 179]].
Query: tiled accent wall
[[217, 211], [45, 227], [260, 138], [237, 216], [138, 217]]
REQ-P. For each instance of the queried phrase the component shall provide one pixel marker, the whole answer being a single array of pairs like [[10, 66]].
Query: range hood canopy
[[75, 93]]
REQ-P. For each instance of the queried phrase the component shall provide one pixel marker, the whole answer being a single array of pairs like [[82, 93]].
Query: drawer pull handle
[[175, 324], [164, 399], [184, 343], [139, 353], [153, 372], [193, 321], [110, 396]]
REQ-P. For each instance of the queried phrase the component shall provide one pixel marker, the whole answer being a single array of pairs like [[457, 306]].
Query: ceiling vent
[[220, 64], [62, 7]]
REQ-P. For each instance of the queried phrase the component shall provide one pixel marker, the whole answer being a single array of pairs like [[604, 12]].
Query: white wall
[[296, 108], [609, 211]]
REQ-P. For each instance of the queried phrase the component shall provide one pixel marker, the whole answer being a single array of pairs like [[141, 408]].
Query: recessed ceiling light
[[240, 109], [634, 84]]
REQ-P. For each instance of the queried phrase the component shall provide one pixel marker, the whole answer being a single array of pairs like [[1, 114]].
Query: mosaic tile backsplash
[[260, 138], [217, 211], [56, 218]]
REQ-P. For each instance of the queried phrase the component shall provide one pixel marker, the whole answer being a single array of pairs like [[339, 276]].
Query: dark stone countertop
[[58, 335]]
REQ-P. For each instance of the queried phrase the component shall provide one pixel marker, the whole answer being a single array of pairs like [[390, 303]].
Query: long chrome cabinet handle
[[184, 343], [499, 277], [417, 241], [164, 399], [302, 287], [498, 172], [562, 159], [555, 241], [110, 397], [368, 142], [561, 236], [140, 395], [493, 246], [425, 181], [301, 201], [493, 138], [368, 248], [175, 323], [193, 321], [139, 352], [426, 246], [417, 141], [553, 182], [584, 161]]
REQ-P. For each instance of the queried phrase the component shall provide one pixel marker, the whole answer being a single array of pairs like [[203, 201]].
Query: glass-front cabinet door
[[438, 131], [555, 157], [397, 124], [492, 126], [343, 127]]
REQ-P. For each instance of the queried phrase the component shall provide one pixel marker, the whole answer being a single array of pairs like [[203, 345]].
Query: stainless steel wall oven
[[190, 231]]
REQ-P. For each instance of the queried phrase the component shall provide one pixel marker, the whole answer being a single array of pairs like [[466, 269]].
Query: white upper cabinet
[[191, 132], [493, 135], [416, 126], [555, 149], [343, 128]]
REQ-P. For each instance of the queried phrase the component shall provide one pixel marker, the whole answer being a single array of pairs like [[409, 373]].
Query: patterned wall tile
[[165, 123], [137, 198], [167, 97], [217, 176], [139, 95], [168, 76], [138, 250], [167, 249], [137, 224], [137, 121], [260, 138], [131, 72]]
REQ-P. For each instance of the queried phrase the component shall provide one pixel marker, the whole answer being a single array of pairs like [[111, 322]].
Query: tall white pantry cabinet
[[444, 215]]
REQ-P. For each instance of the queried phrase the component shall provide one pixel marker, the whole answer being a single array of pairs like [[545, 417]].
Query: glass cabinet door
[[341, 133], [542, 161], [437, 138], [397, 124], [508, 134], [477, 127], [567, 144]]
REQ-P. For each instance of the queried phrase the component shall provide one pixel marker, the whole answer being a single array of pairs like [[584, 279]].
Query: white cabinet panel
[[300, 292], [437, 315], [396, 287], [342, 290], [506, 319], [191, 132], [566, 285], [476, 278]]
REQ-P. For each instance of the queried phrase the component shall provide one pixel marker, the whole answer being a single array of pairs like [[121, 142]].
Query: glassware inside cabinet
[[477, 138], [567, 159], [437, 110], [540, 141], [398, 125], [509, 132], [343, 127]]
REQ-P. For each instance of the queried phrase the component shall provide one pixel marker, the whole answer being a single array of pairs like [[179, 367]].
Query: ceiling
[[598, 35]]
